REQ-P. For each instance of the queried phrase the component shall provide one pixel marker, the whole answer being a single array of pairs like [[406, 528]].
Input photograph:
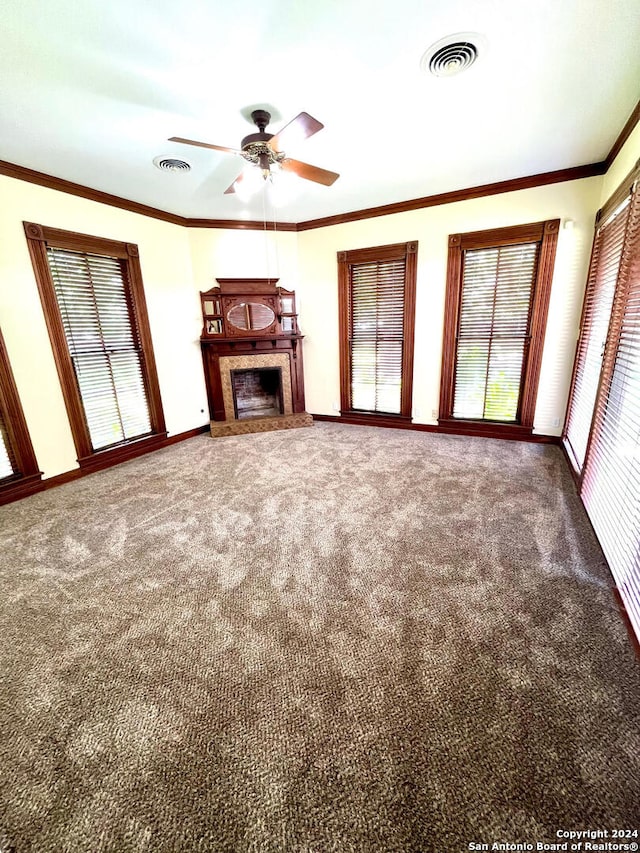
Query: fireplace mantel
[[251, 324]]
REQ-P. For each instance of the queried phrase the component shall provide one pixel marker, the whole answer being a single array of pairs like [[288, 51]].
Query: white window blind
[[601, 283], [376, 311], [103, 343], [8, 465], [493, 331], [611, 476]]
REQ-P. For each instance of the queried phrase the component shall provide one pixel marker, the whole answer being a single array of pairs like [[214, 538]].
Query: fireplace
[[252, 354], [257, 392]]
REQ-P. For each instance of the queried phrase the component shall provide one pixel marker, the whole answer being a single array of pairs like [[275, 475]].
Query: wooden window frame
[[28, 480], [622, 192], [39, 237], [545, 233], [607, 490], [395, 251]]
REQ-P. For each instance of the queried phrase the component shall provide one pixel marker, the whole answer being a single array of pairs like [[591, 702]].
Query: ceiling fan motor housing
[[255, 147], [261, 119], [253, 138]]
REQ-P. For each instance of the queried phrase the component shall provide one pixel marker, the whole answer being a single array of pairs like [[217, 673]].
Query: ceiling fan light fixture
[[453, 54], [283, 187], [248, 183]]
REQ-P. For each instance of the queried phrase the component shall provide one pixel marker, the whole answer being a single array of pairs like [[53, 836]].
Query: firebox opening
[[257, 393]]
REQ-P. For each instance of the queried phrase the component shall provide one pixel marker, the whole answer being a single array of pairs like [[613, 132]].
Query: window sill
[[102, 459]]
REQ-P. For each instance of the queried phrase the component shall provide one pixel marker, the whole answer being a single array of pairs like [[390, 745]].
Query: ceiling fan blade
[[204, 145], [310, 173], [236, 181], [301, 127]]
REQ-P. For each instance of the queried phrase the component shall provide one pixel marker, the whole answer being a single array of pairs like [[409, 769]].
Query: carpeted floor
[[328, 639]]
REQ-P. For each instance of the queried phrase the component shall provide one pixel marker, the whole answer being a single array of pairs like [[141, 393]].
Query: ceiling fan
[[266, 149]]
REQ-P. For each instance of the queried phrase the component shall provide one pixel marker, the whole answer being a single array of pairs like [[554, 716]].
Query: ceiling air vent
[[453, 54], [171, 164]]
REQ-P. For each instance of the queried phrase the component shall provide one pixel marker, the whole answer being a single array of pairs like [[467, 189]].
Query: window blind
[[8, 464], [376, 339], [596, 312], [493, 331], [611, 476], [103, 343]]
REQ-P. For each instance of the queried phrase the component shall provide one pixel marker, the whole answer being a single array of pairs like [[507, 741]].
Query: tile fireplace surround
[[232, 425], [229, 346]]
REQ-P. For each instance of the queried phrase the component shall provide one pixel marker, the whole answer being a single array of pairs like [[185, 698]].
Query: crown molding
[[21, 173], [573, 173], [624, 134], [60, 184], [242, 224]]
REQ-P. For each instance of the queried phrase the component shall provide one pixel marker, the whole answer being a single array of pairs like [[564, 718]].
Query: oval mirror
[[251, 316]]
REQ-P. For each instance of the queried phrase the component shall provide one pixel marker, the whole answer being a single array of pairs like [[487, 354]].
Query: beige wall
[[575, 200], [217, 253], [178, 262], [622, 165], [172, 301]]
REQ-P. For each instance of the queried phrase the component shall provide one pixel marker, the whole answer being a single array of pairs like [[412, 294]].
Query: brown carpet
[[328, 639]]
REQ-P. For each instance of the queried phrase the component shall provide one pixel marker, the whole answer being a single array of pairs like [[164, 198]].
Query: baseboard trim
[[183, 436], [21, 488], [78, 473], [449, 430], [575, 476]]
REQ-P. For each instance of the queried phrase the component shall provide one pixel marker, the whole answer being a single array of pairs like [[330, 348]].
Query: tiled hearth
[[235, 427]]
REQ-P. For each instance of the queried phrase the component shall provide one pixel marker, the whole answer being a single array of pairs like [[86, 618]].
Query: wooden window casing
[[19, 474], [502, 312], [376, 289], [51, 249]]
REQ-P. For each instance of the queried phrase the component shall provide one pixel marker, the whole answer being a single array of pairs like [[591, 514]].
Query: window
[[603, 422], [498, 285], [91, 291], [377, 318], [594, 325], [19, 475], [7, 457]]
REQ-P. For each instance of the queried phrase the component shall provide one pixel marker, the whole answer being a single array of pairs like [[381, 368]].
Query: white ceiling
[[91, 90]]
